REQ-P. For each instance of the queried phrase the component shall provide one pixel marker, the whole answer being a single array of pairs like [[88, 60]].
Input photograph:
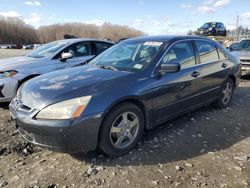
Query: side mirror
[[169, 68], [65, 56]]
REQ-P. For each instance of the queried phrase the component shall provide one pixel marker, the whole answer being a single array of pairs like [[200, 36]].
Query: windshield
[[128, 56], [208, 25], [46, 49], [244, 45]]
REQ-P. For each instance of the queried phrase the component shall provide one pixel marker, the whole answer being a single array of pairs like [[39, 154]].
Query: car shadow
[[204, 130], [4, 106]]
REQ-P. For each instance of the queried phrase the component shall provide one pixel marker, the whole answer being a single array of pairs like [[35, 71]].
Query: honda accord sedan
[[131, 87], [47, 58]]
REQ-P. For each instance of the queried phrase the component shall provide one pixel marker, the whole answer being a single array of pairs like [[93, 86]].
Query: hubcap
[[124, 130], [227, 93]]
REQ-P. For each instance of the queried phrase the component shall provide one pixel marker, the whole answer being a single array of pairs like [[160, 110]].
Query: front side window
[[218, 25], [181, 53], [46, 49], [78, 49], [130, 56], [207, 51]]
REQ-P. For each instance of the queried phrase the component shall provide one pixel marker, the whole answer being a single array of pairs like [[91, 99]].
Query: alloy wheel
[[124, 130], [227, 93]]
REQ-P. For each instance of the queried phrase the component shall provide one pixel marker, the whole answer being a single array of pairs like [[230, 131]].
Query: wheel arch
[[233, 79], [134, 100], [26, 79]]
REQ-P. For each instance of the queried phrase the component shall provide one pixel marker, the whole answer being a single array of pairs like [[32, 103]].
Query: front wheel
[[121, 129], [225, 95]]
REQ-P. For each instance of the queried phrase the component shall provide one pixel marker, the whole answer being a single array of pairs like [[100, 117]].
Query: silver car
[[48, 57], [243, 52]]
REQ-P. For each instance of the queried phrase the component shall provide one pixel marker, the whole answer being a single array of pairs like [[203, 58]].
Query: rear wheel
[[121, 129], [226, 94]]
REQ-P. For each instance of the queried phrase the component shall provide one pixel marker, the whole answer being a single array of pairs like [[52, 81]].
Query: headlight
[[65, 110], [7, 74], [210, 29]]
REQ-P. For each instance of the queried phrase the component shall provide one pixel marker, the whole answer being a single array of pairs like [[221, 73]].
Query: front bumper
[[8, 87], [69, 136]]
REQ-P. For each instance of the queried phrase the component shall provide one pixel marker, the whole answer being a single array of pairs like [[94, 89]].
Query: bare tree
[[14, 30], [106, 31]]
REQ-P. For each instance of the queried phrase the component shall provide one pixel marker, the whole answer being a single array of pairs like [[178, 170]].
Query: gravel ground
[[205, 148]]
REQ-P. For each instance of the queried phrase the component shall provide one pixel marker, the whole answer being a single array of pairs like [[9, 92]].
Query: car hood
[[64, 85], [22, 62], [242, 54]]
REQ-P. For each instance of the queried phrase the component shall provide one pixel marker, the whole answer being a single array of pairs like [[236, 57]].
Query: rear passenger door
[[212, 67]]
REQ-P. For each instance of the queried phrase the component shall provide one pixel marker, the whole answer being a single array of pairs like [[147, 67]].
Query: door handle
[[195, 74], [224, 65]]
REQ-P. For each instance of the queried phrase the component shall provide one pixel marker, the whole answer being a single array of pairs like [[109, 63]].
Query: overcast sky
[[151, 16]]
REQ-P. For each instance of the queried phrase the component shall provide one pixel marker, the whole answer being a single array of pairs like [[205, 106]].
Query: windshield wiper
[[108, 67]]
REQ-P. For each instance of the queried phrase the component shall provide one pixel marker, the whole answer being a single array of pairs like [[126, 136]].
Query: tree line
[[16, 31]]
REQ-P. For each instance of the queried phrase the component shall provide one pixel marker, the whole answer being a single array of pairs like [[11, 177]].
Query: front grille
[[1, 94]]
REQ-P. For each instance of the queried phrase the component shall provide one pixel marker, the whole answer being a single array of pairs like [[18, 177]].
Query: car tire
[[225, 95], [121, 129]]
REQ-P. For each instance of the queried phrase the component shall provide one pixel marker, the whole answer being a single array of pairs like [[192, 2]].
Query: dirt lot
[[205, 148], [5, 53]]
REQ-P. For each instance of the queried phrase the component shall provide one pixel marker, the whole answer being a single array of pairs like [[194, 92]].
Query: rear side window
[[207, 51], [101, 46], [182, 53]]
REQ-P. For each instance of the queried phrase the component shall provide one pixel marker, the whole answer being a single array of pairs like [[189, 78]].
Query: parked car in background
[[37, 45], [213, 28], [133, 86], [5, 46], [28, 47], [46, 58], [17, 46], [243, 52]]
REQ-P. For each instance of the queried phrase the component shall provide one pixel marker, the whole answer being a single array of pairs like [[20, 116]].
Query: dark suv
[[213, 28]]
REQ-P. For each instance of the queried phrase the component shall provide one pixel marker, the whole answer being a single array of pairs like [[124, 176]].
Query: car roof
[[165, 38], [82, 40]]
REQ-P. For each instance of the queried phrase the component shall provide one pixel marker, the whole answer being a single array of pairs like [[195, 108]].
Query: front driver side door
[[175, 93]]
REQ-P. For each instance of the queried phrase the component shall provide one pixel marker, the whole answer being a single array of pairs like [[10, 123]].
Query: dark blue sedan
[[133, 86]]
